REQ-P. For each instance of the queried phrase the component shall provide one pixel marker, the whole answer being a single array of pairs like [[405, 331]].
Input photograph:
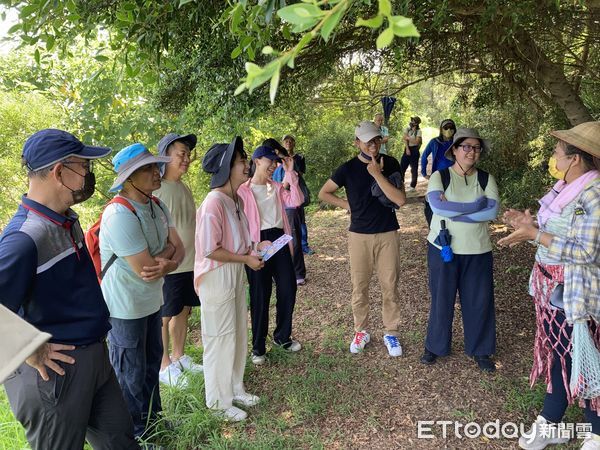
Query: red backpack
[[92, 236], [92, 239]]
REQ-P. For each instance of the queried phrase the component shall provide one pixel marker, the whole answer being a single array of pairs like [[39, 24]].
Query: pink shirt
[[218, 226], [286, 199]]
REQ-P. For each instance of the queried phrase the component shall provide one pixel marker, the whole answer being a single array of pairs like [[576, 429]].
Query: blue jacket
[[437, 148]]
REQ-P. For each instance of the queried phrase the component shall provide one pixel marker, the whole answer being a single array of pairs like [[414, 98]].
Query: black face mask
[[89, 185]]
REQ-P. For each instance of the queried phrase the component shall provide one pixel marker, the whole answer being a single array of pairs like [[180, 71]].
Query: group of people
[[461, 199], [155, 248]]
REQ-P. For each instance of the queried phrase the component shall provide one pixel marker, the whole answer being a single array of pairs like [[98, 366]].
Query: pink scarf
[[562, 194]]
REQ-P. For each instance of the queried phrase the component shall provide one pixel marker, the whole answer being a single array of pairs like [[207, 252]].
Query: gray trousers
[[85, 403]]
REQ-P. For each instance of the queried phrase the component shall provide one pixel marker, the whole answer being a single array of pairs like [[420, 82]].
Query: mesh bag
[[585, 372]]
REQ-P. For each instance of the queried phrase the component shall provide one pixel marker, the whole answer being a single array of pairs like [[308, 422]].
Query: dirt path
[[379, 403]]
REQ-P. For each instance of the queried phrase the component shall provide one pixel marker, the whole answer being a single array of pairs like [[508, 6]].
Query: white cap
[[366, 130]]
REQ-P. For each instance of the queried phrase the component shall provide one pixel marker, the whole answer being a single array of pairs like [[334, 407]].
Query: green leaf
[[128, 6], [267, 50], [251, 53], [184, 2], [385, 7], [373, 22], [71, 6], [36, 55], [236, 18], [301, 27], [330, 24], [385, 38], [286, 32], [236, 52], [28, 10], [14, 28], [50, 40], [274, 85], [403, 27], [124, 16], [303, 42], [101, 58], [300, 13], [241, 88]]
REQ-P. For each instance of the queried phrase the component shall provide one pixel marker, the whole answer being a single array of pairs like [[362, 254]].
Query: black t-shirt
[[367, 214]]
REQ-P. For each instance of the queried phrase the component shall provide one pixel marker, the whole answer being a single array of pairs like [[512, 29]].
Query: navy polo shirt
[[47, 275]]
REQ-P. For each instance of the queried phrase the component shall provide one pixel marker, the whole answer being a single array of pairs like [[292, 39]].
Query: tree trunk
[[551, 76]]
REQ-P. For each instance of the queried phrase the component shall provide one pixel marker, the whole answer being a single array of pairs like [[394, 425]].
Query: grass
[[303, 389]]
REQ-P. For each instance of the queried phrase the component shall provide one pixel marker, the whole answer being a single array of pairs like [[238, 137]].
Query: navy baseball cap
[[49, 146], [275, 145], [266, 152]]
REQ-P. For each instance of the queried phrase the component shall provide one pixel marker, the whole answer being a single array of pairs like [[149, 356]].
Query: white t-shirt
[[413, 135], [268, 206]]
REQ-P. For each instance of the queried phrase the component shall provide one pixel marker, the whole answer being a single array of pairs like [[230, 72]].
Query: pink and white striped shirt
[[218, 226]]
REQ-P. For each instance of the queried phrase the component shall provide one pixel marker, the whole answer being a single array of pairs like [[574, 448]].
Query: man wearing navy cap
[[68, 392]]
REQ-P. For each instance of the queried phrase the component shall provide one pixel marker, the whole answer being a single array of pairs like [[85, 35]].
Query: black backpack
[[482, 178]]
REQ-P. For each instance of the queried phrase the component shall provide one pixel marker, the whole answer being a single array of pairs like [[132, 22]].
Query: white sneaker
[[592, 442], [172, 376], [232, 414], [246, 399], [361, 339], [393, 345], [186, 363], [291, 346], [541, 434], [258, 360]]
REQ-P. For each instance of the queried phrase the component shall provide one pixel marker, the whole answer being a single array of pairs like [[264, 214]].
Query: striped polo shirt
[[47, 275]]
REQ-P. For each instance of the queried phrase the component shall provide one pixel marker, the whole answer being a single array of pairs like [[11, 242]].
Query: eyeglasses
[[448, 127], [470, 148], [374, 142], [87, 165]]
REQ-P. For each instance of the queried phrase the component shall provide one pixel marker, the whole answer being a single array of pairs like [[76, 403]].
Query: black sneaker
[[485, 363], [428, 357]]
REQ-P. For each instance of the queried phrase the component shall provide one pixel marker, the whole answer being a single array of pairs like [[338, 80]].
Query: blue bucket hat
[[130, 159], [49, 146]]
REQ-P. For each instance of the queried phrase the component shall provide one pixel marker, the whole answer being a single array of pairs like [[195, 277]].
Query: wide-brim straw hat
[[585, 136]]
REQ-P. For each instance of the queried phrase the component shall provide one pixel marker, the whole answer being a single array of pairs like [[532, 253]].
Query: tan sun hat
[[585, 136]]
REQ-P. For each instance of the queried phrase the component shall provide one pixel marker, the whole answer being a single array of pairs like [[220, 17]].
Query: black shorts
[[178, 291]]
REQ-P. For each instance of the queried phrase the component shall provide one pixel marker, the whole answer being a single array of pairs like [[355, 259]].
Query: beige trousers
[[224, 321], [379, 252]]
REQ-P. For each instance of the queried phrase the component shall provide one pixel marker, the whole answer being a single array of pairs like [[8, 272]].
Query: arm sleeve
[[584, 246], [123, 232], [339, 176], [294, 197], [453, 209], [209, 231], [18, 268], [424, 157], [301, 164], [492, 206]]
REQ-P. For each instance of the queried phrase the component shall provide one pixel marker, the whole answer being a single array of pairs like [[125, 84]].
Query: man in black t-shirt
[[372, 237]]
